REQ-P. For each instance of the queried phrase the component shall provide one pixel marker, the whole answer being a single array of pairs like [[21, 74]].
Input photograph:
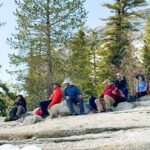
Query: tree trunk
[[49, 51]]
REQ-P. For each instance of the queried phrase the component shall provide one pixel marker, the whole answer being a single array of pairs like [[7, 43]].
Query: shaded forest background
[[52, 43]]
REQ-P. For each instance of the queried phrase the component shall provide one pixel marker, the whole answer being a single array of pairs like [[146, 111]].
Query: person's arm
[[117, 83], [145, 87], [56, 99], [51, 96], [78, 93], [112, 89], [65, 93], [136, 88]]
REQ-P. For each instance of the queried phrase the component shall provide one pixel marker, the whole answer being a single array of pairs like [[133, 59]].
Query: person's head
[[141, 78], [119, 76], [67, 83], [18, 97], [107, 83], [55, 85]]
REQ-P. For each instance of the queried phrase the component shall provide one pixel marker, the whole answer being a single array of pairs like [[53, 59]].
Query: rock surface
[[127, 128], [61, 109]]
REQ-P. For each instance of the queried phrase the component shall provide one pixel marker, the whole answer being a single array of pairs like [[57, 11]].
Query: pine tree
[[146, 49], [5, 97], [44, 27], [119, 28], [79, 63]]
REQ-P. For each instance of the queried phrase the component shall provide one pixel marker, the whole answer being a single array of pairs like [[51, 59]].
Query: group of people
[[113, 93]]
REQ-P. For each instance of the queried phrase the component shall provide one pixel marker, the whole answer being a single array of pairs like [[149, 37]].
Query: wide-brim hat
[[67, 81], [56, 83], [139, 75]]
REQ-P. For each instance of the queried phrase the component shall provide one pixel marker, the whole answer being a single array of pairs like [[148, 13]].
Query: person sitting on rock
[[18, 108], [111, 96], [72, 95], [141, 86], [54, 98], [121, 84]]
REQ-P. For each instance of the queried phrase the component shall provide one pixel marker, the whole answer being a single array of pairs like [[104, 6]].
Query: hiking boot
[[109, 110], [74, 114], [8, 119], [15, 118]]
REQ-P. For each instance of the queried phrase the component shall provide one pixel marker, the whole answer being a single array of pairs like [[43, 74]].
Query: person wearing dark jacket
[[18, 108], [121, 84]]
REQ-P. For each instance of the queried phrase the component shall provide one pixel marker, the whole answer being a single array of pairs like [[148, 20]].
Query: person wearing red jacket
[[111, 96], [54, 98]]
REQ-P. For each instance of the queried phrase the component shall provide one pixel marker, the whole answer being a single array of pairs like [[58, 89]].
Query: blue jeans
[[125, 92], [92, 102], [70, 102]]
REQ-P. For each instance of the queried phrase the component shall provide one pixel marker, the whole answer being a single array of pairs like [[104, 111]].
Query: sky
[[95, 12]]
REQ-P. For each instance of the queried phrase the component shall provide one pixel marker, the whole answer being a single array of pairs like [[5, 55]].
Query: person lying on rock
[[111, 96], [141, 86], [18, 108], [54, 98], [72, 95]]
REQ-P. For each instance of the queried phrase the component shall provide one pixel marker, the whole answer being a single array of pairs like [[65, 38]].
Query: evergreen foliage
[[119, 29], [146, 49], [44, 28], [6, 98]]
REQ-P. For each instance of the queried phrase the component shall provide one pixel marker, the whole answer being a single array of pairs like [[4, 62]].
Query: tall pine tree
[[44, 27], [119, 29], [146, 49]]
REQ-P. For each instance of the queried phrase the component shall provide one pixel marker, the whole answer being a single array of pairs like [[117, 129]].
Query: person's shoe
[[15, 118], [74, 114], [109, 110], [8, 119], [102, 111], [82, 113]]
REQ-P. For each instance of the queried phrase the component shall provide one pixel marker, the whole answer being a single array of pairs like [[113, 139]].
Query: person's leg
[[70, 105], [125, 92], [20, 110], [109, 101], [118, 100], [43, 105], [81, 106], [92, 103], [143, 93], [100, 105]]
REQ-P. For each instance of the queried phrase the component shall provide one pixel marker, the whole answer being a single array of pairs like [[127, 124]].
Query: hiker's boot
[[8, 119]]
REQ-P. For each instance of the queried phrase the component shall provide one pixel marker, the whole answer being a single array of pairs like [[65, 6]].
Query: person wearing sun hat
[[72, 95], [54, 98]]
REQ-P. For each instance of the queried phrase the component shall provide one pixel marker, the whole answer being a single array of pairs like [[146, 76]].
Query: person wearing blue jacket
[[72, 95]]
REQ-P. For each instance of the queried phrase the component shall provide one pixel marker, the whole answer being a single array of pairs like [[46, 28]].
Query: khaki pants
[[104, 104]]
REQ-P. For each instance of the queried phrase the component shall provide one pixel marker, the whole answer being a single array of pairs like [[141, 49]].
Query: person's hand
[[67, 97], [113, 92], [80, 96]]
